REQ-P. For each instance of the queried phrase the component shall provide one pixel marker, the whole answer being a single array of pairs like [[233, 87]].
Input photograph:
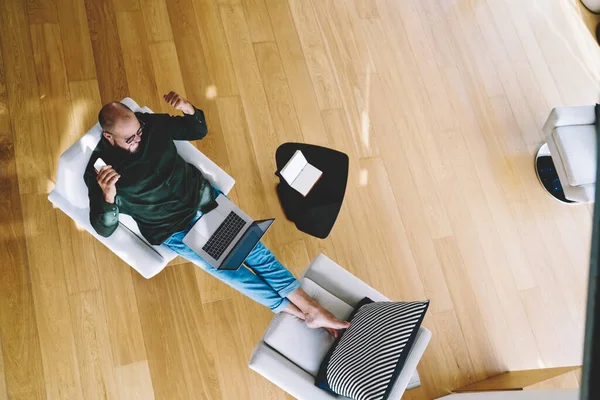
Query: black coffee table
[[316, 213]]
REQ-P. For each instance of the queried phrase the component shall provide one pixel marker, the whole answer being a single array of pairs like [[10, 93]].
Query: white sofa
[[289, 354], [571, 136], [71, 195]]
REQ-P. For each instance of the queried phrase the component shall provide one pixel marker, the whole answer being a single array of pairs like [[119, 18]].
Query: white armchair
[[571, 135], [289, 354], [71, 195]]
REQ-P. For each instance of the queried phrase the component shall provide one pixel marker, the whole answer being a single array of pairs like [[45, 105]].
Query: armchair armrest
[[562, 116], [124, 243], [285, 374]]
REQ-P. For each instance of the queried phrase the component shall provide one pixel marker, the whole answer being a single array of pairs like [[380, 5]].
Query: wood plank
[[190, 321], [421, 48], [257, 18], [80, 265], [248, 185], [121, 308], [285, 121], [402, 260], [51, 299], [214, 43], [77, 44], [315, 52], [180, 363], [53, 88], [134, 381], [513, 380], [420, 159], [485, 163], [164, 356], [519, 59], [226, 334], [345, 232], [156, 20], [251, 318], [367, 9], [350, 27], [211, 289], [293, 256], [541, 314], [533, 52], [166, 72], [460, 369], [77, 246], [126, 5], [3, 390], [469, 209], [343, 52], [530, 131], [40, 11], [108, 55], [33, 165], [86, 103], [512, 179], [572, 75], [260, 124], [137, 60], [483, 356], [94, 352], [196, 78], [22, 375], [296, 71]]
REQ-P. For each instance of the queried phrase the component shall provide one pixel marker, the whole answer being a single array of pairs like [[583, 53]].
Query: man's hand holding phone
[[107, 178]]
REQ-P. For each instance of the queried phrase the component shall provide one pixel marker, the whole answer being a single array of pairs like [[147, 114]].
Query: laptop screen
[[245, 245]]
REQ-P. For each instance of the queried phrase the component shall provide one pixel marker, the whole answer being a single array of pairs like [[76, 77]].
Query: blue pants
[[270, 283]]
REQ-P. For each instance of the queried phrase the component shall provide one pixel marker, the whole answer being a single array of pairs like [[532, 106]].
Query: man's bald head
[[112, 114], [120, 126]]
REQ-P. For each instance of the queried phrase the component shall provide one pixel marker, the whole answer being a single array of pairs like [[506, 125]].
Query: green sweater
[[157, 187]]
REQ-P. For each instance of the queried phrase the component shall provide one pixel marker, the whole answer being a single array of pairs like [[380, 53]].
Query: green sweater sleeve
[[104, 216], [186, 127]]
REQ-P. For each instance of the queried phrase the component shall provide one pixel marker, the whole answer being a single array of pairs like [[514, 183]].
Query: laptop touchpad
[[208, 224]]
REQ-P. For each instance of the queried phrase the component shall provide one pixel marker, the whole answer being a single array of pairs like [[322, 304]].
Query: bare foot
[[318, 317]]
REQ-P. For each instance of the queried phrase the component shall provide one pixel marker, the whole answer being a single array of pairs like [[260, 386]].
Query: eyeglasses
[[131, 138]]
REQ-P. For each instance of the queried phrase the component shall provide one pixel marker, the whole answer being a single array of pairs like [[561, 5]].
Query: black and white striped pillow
[[364, 362]]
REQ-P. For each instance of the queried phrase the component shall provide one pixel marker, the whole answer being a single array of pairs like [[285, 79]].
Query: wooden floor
[[439, 105]]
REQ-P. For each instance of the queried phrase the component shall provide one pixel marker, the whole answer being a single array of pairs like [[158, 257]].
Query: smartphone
[[99, 164]]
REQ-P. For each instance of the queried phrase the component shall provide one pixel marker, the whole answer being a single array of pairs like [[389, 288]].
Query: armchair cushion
[[365, 361], [293, 339], [577, 147]]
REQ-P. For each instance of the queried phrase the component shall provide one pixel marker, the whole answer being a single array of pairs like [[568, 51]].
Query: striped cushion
[[366, 360]]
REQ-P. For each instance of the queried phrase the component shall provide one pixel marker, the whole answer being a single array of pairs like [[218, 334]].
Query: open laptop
[[225, 236]]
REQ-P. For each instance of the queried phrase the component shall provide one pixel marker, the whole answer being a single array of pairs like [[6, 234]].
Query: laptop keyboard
[[224, 235]]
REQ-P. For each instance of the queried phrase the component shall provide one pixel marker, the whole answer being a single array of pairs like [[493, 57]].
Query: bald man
[[146, 179]]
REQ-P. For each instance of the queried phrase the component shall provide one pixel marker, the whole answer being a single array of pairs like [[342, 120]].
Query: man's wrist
[[190, 110], [109, 200]]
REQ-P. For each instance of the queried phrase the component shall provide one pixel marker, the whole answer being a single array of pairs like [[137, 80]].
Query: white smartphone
[[99, 164]]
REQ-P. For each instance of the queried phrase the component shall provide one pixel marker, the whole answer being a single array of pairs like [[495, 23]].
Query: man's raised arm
[[190, 126]]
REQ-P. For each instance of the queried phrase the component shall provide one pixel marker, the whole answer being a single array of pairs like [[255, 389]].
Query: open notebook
[[299, 174]]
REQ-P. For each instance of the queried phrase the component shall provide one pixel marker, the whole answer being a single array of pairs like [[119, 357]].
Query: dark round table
[[316, 213]]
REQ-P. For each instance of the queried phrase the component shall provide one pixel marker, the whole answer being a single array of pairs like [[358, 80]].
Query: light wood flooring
[[438, 103]]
